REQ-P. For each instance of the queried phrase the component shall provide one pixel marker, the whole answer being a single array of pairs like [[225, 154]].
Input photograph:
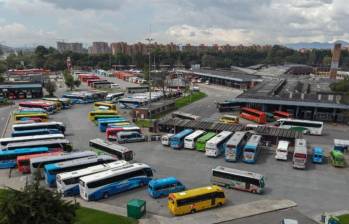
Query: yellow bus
[[107, 105], [195, 200], [36, 117], [57, 101], [92, 114], [229, 119]]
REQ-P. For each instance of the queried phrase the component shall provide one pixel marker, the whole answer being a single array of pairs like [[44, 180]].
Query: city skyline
[[33, 22]]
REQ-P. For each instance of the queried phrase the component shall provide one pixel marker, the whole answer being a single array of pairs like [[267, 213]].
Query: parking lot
[[317, 189]]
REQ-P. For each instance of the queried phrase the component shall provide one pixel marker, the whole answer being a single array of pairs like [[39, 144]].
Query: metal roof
[[20, 85], [227, 75]]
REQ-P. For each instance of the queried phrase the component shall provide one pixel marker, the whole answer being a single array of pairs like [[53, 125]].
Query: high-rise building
[[99, 48], [336, 53], [119, 47], [74, 47]]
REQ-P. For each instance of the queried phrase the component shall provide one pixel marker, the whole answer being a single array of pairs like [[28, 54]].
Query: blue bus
[[103, 123], [51, 170], [318, 155], [44, 131], [42, 125], [78, 99], [164, 186], [234, 146], [8, 157], [177, 141], [114, 181], [251, 149]]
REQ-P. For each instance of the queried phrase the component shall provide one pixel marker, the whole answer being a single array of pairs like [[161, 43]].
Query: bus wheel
[[105, 195], [193, 211]]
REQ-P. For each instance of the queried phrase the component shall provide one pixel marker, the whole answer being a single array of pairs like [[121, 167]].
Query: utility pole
[[149, 39]]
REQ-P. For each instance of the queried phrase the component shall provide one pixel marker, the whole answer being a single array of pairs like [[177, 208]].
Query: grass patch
[[186, 100], [92, 216], [344, 219], [144, 123]]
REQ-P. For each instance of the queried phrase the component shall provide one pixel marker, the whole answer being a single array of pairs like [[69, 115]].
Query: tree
[[36, 204], [77, 82], [50, 87], [68, 79]]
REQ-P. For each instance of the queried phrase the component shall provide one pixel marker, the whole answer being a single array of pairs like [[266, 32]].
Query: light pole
[[149, 39]]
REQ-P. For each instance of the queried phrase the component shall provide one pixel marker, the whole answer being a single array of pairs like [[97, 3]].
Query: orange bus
[[251, 114], [281, 114], [23, 162]]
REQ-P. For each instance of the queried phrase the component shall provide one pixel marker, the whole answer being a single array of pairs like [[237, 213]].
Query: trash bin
[[136, 208]]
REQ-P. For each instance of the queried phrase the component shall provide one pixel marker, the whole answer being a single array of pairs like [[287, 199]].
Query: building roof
[[20, 85], [236, 75]]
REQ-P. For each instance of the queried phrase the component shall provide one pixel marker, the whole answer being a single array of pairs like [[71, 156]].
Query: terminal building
[[21, 90], [304, 98], [232, 78]]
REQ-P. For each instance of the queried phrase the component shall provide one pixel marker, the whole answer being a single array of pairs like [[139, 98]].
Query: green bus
[[201, 142], [337, 158]]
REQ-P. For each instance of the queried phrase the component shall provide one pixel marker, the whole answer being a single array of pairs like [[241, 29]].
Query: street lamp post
[[149, 80]]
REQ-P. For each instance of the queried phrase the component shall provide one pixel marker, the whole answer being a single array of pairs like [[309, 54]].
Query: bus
[[129, 136], [51, 144], [215, 146], [201, 142], [118, 125], [5, 141], [35, 132], [119, 151], [164, 186], [8, 157], [92, 114], [103, 123], [234, 146], [113, 181], [111, 133], [132, 103], [229, 119], [32, 104], [23, 162], [300, 154], [68, 182], [228, 106], [30, 110], [337, 158], [51, 170], [108, 105], [182, 115], [77, 99], [37, 164], [43, 125], [252, 149], [238, 179], [177, 141], [113, 97], [189, 141], [253, 115], [99, 117], [57, 103], [281, 114], [304, 126], [37, 117], [165, 139], [195, 200], [65, 102]]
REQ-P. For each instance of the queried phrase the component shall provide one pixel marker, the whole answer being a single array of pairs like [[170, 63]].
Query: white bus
[[165, 139], [51, 170], [37, 164], [121, 152], [305, 126], [215, 146], [282, 150], [189, 141], [5, 141], [234, 146], [183, 115], [300, 154], [110, 182], [52, 144], [40, 125], [68, 182], [238, 179]]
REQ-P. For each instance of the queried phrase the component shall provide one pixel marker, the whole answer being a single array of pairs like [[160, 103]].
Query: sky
[[33, 22]]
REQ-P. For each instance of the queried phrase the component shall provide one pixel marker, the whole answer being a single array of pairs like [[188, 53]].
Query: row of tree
[[246, 56]]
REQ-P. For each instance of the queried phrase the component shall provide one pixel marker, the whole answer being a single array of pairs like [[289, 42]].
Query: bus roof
[[239, 172], [38, 124], [195, 191], [62, 156], [163, 181], [341, 142], [236, 138], [25, 150], [298, 120], [28, 157], [183, 133], [103, 112], [126, 128], [5, 141], [38, 143], [93, 169], [112, 172], [111, 120], [195, 134], [33, 130], [318, 150], [337, 154], [300, 145], [85, 160], [207, 136], [220, 137], [252, 110], [281, 112], [116, 147]]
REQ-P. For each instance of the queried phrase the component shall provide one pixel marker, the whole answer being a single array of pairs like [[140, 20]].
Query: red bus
[[111, 133], [23, 162], [253, 115], [49, 107], [281, 114], [90, 81]]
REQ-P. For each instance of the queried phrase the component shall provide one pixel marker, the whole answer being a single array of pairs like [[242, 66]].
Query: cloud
[[87, 4]]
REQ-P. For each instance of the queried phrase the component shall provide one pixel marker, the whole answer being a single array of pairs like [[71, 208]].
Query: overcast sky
[[33, 22]]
